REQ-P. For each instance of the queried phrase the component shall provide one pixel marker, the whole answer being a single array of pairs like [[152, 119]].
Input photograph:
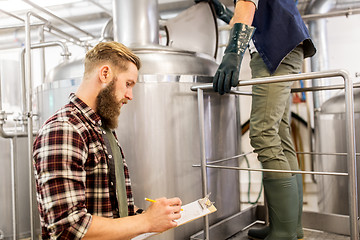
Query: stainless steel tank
[[330, 137]]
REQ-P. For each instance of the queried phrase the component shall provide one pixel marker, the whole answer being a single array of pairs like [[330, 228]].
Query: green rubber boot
[[261, 233], [283, 202]]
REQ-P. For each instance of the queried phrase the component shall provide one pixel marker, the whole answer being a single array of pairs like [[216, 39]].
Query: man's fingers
[[227, 82], [175, 201], [220, 87], [216, 81]]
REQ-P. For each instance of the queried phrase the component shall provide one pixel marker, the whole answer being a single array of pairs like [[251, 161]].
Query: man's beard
[[107, 106]]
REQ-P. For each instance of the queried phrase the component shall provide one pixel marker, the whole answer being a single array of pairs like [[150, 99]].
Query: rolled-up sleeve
[[60, 154], [256, 2]]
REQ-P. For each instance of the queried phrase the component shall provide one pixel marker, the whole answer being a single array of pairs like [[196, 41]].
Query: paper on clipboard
[[191, 211]]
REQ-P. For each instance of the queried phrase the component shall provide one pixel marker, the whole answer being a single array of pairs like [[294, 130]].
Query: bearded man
[[82, 180]]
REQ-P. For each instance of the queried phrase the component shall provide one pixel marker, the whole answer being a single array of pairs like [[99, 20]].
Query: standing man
[[281, 42], [82, 180]]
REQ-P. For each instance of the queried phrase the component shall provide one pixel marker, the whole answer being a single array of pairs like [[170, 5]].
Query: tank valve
[[2, 121]]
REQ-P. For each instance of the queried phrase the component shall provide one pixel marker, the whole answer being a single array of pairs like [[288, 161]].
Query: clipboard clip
[[205, 202]]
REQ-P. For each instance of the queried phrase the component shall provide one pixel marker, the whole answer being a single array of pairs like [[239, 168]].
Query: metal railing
[[350, 136]]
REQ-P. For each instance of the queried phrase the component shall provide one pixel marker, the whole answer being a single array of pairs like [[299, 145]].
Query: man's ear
[[105, 73]]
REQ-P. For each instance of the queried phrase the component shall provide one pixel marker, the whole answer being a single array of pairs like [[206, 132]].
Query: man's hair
[[114, 53]]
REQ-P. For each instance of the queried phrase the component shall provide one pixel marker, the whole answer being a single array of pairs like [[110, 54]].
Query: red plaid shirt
[[71, 172]]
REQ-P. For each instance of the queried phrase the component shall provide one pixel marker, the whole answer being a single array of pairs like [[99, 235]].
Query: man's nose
[[129, 94]]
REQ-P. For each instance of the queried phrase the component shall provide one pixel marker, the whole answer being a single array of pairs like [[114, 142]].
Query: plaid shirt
[[71, 172]]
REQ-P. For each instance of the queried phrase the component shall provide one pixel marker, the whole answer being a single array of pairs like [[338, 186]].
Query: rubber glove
[[222, 12], [227, 75]]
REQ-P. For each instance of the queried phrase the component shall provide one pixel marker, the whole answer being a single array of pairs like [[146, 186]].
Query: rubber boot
[[261, 233], [299, 229], [258, 233], [283, 201]]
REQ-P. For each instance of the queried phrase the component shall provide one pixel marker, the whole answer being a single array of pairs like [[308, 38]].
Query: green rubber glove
[[227, 75]]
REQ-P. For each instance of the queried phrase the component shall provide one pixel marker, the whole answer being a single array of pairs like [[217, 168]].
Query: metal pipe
[[107, 30], [136, 22], [200, 98], [50, 27], [239, 136], [16, 26], [335, 154], [309, 153], [0, 96], [274, 170], [350, 133], [315, 16], [308, 89], [29, 117], [274, 79], [312, 89], [294, 90], [229, 158], [13, 186], [317, 29], [12, 15], [44, 10], [68, 38], [42, 55]]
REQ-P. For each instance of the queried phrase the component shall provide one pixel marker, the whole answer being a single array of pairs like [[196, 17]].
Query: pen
[[151, 200]]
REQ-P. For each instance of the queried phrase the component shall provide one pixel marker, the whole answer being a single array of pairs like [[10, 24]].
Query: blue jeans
[[270, 115]]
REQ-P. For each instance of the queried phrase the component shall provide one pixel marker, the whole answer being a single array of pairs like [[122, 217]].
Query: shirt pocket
[[96, 158]]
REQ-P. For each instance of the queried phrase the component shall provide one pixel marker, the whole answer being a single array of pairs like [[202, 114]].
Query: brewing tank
[[330, 135]]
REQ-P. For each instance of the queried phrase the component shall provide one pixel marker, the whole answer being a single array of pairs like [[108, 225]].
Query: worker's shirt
[[279, 30], [72, 174]]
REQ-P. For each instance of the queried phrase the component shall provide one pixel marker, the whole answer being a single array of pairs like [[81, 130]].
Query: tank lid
[[159, 60]]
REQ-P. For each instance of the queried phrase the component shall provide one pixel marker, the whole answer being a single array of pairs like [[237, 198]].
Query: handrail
[[350, 134], [244, 154], [208, 87], [274, 170], [283, 78]]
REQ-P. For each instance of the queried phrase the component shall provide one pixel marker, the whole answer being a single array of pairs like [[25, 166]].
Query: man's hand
[[227, 74], [161, 214]]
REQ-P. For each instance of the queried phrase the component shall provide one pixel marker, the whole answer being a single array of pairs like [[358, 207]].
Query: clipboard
[[191, 212]]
